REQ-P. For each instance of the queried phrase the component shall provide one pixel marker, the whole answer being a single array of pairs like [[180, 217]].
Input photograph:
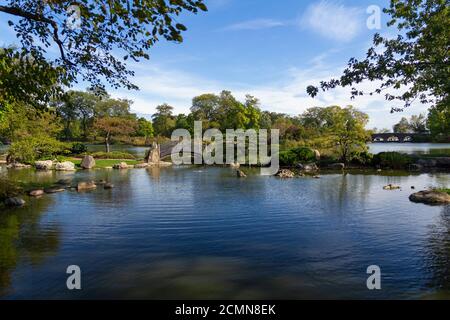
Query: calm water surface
[[202, 233], [411, 148]]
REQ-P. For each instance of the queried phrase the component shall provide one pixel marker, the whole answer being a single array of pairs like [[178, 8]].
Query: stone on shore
[[44, 165], [141, 165], [65, 166], [310, 167], [285, 174], [36, 193], [83, 186], [54, 190], [122, 166], [430, 197], [160, 164], [391, 187], [17, 165], [240, 174], [337, 166], [14, 202], [88, 162]]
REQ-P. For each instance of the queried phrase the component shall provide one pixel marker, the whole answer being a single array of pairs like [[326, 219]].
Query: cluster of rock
[[285, 174]]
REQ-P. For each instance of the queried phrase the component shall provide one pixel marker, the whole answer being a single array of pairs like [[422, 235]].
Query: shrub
[[296, 155], [113, 155], [78, 148], [363, 157], [30, 149], [393, 160]]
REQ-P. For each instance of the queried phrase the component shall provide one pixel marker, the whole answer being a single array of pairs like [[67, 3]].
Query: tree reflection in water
[[438, 259], [23, 238]]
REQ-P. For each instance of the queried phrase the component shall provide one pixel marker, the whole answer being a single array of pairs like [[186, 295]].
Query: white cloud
[[333, 20], [160, 84], [256, 24]]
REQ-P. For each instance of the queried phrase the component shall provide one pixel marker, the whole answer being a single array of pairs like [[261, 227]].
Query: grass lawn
[[104, 163]]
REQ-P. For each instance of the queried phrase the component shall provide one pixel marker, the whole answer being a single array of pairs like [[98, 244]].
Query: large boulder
[[14, 202], [88, 162], [44, 165], [84, 186], [285, 174], [65, 166], [141, 165], [430, 197]]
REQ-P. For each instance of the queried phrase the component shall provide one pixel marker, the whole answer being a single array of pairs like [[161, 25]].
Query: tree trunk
[[107, 143]]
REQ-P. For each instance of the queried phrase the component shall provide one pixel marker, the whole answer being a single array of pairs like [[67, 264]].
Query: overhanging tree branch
[[39, 18]]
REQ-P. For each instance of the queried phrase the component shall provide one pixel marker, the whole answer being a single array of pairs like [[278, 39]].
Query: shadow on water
[[24, 239]]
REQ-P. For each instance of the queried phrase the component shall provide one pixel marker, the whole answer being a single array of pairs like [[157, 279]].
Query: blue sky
[[271, 49]]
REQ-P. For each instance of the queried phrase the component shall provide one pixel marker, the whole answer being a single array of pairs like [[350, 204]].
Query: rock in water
[[44, 165], [430, 197], [108, 186], [240, 174], [285, 174], [88, 162], [391, 187], [65, 166], [14, 202], [36, 193], [83, 186]]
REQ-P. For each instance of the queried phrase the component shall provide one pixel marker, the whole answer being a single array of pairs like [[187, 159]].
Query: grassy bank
[[103, 163]]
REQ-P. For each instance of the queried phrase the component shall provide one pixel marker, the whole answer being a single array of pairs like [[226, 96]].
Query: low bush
[[30, 149], [394, 160], [78, 148], [362, 158]]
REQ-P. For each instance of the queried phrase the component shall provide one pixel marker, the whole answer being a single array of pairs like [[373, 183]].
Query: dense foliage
[[412, 66]]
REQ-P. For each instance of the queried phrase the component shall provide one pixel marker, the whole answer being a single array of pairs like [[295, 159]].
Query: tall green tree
[[145, 129], [402, 126], [163, 120], [415, 65]]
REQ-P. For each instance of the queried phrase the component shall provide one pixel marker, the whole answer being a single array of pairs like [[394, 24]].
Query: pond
[[194, 232], [411, 148]]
